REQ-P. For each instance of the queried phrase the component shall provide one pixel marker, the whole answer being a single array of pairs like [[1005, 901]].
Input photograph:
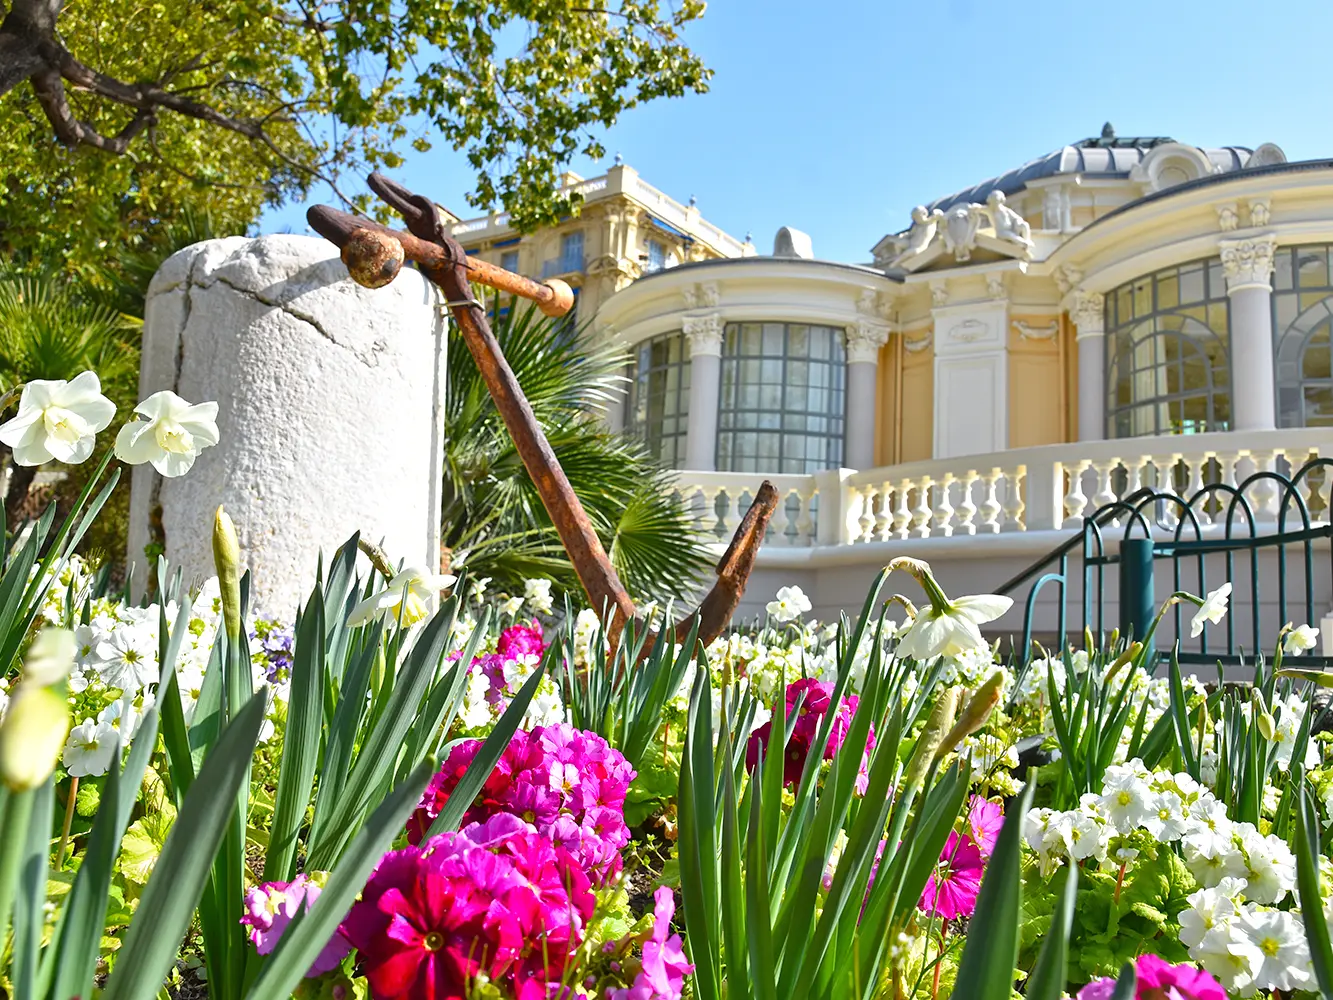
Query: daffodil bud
[[1128, 656], [32, 734], [50, 658], [227, 560], [939, 722], [1262, 719], [978, 710]]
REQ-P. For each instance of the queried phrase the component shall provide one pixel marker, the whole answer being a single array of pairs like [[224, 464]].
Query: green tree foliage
[[493, 518], [115, 116]]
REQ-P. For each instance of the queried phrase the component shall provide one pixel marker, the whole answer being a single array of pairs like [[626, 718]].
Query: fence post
[[1137, 602]]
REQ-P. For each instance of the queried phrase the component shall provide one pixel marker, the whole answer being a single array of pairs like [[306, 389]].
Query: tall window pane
[[659, 396], [782, 398], [1302, 316], [1168, 353]]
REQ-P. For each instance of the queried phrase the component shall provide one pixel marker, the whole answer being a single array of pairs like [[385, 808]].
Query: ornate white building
[[1119, 312]]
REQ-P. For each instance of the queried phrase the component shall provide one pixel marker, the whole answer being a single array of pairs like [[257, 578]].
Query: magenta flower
[[521, 640], [984, 822], [818, 695], [1158, 979], [570, 785], [664, 963], [270, 907], [951, 891]]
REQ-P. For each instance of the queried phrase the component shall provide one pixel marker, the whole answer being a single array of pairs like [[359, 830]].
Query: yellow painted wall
[[1037, 389], [916, 407]]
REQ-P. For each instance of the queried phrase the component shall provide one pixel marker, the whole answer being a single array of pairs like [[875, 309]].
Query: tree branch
[[21, 33], [50, 91]]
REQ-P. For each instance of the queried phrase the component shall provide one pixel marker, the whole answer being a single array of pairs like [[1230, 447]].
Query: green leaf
[[1126, 984], [173, 891], [1047, 981], [29, 900], [307, 935], [1311, 894], [986, 968]]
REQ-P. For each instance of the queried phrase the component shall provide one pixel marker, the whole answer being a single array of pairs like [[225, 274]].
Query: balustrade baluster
[[1105, 490], [1196, 484], [967, 510], [1014, 503], [902, 513], [944, 510], [921, 513], [805, 522], [1075, 499], [1264, 492], [866, 522], [884, 512], [990, 505]]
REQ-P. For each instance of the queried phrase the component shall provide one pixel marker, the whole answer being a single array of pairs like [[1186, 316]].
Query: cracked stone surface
[[329, 407]]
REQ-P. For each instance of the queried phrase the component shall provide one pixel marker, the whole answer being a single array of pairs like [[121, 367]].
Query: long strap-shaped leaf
[[29, 900], [986, 969], [1307, 882], [307, 935], [178, 878], [1047, 981]]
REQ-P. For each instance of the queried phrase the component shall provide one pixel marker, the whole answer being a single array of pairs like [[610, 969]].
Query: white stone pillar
[[1087, 310], [863, 343], [1248, 265], [704, 333], [330, 408]]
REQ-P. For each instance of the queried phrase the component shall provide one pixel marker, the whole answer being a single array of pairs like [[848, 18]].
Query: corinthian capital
[[704, 332], [1088, 311], [1248, 263], [864, 339]]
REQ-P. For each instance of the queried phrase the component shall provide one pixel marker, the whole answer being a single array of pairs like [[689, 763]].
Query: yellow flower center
[[433, 941], [1269, 946], [63, 424], [174, 438]]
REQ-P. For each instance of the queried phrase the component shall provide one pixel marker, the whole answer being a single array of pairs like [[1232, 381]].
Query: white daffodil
[[58, 420], [90, 748], [951, 629], [1213, 609], [405, 599], [791, 603], [171, 435], [50, 658], [1299, 639], [538, 595]]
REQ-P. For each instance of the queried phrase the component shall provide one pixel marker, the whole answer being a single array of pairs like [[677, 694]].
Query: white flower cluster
[[1247, 946]]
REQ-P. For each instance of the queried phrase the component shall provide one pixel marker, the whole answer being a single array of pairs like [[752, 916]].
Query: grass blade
[[1047, 981]]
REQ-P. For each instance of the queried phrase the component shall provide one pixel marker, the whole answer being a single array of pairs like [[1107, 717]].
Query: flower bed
[[392, 799]]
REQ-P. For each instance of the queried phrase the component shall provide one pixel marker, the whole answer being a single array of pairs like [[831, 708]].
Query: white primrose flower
[[126, 658], [1274, 943], [538, 595], [790, 604], [1299, 639], [1213, 609], [90, 748], [951, 629], [1270, 866], [58, 420], [1208, 909], [405, 597], [171, 435]]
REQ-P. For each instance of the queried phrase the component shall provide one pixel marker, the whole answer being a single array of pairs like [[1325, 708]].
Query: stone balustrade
[[1023, 489]]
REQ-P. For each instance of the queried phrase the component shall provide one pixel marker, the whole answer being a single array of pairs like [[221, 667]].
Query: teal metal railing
[[1262, 536]]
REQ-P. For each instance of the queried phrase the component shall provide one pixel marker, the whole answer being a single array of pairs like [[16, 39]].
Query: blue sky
[[837, 118]]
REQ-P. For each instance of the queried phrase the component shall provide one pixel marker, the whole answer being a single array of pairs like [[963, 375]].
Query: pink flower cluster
[[270, 907], [521, 640], [569, 784], [952, 889], [664, 964], [818, 696], [1158, 979], [496, 899]]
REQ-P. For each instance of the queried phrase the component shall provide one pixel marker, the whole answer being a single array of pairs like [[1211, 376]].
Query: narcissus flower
[[171, 435], [1299, 639], [790, 604], [405, 599], [951, 627], [58, 420], [1213, 609]]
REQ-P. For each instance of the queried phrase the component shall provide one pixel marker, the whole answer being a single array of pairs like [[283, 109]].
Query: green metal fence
[[1261, 535]]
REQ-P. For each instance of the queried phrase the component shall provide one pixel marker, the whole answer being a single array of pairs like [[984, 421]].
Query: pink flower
[[270, 907], [984, 822], [521, 640], [951, 891], [569, 784], [664, 963], [1160, 980], [818, 695]]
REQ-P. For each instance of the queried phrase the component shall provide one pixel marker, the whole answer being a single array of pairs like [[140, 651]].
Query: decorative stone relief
[[1247, 262], [994, 226], [1228, 219], [1026, 331], [1088, 311], [704, 332], [705, 295], [864, 339], [969, 331], [1066, 278], [939, 293], [995, 286], [918, 345], [1260, 212]]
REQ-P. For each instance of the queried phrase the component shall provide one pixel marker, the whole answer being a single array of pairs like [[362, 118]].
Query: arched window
[[659, 396], [1167, 341], [1302, 315], [782, 398]]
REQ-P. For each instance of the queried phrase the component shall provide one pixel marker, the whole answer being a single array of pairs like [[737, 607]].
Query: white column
[[863, 343], [704, 332], [1089, 316], [1248, 265]]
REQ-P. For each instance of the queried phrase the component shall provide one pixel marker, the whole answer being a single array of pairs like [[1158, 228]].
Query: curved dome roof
[[1108, 155]]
